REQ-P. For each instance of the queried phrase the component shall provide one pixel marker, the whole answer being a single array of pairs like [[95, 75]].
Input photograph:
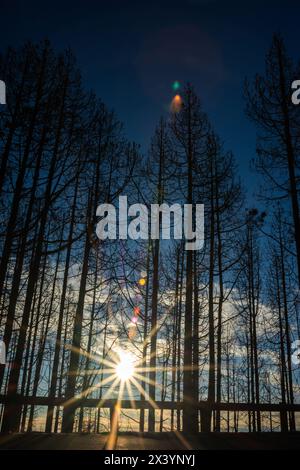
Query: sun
[[125, 367]]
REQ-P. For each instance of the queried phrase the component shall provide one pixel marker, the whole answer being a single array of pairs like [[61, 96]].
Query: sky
[[130, 53]]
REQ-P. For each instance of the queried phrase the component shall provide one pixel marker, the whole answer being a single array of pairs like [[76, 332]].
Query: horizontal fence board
[[144, 404]]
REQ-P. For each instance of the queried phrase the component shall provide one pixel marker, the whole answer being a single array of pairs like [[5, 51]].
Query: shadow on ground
[[150, 441]]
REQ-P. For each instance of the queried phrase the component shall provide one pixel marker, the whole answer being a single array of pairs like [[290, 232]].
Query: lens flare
[[176, 85], [176, 104], [137, 310]]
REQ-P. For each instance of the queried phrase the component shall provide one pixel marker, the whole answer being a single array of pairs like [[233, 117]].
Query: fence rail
[[144, 404], [203, 406]]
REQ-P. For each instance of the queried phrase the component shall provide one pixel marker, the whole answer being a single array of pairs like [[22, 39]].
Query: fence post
[[283, 420], [205, 418]]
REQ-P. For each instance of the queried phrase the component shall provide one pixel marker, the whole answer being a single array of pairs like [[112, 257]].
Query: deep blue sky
[[130, 52]]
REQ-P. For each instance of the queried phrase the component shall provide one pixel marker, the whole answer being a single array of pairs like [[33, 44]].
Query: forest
[[160, 330]]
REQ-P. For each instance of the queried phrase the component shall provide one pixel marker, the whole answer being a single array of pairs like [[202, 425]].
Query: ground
[[148, 441]]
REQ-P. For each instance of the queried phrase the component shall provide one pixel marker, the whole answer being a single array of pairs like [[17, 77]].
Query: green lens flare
[[176, 85]]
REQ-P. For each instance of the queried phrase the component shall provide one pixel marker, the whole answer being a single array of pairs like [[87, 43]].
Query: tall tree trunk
[[53, 383], [145, 338], [211, 327], [190, 421], [10, 418], [290, 154], [220, 307], [69, 410], [21, 175]]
